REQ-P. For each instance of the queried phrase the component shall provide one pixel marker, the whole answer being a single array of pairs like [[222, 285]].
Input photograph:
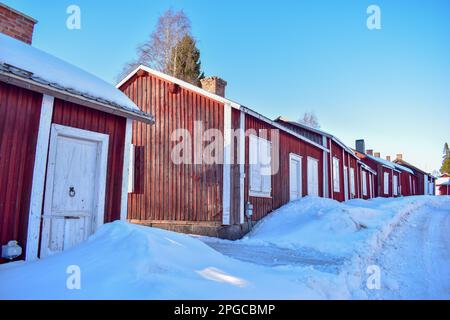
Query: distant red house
[[443, 185], [64, 147], [392, 179], [424, 181]]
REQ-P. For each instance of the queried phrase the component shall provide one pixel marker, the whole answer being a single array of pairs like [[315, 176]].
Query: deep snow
[[312, 248]]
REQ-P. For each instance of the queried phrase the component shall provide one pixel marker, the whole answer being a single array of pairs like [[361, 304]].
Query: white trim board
[[126, 170], [241, 154], [226, 193], [37, 187]]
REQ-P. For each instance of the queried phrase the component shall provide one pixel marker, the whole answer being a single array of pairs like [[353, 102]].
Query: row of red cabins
[[75, 155]]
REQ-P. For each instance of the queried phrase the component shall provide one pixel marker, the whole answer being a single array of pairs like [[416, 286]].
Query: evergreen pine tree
[[446, 166], [446, 153], [185, 63]]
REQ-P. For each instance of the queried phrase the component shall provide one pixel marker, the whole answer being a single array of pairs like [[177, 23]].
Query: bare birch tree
[[310, 119], [157, 51]]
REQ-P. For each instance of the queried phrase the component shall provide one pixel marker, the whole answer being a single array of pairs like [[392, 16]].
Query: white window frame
[[258, 190], [386, 182], [352, 181], [364, 183], [336, 175]]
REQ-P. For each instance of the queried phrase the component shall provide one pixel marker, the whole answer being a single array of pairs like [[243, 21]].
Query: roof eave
[[67, 96]]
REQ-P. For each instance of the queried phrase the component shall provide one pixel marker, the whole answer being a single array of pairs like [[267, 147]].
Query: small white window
[[364, 183], [386, 183], [352, 181], [336, 176], [260, 167]]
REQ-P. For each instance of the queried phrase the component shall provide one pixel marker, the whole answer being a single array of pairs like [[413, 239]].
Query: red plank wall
[[166, 191], [19, 122], [73, 115]]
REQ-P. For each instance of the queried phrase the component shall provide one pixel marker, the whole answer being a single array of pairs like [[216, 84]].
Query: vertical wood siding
[[19, 122], [73, 115], [168, 191]]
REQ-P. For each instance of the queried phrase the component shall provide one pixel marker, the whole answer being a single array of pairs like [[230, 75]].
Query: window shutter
[[255, 178], [266, 172]]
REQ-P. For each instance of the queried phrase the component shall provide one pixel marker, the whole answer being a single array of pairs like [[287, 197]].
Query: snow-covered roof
[[28, 62], [445, 181], [403, 168], [390, 164]]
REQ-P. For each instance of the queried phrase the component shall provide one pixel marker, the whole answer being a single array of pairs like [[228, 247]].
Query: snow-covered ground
[[310, 249]]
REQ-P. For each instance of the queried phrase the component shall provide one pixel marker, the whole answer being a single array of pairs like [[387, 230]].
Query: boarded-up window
[[336, 177], [395, 185], [364, 183], [260, 166], [386, 183], [352, 181]]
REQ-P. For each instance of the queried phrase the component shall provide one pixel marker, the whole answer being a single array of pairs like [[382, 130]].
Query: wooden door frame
[[100, 186], [296, 157]]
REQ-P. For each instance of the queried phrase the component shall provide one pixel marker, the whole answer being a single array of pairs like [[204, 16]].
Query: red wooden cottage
[[392, 179], [344, 173], [443, 185], [64, 147], [261, 164], [424, 181]]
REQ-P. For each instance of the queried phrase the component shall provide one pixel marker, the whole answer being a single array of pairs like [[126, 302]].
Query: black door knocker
[[72, 192]]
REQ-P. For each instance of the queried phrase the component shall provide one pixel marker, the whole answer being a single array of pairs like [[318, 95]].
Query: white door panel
[[75, 188]]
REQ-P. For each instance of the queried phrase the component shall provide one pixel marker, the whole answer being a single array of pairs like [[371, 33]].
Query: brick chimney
[[399, 156], [360, 145], [388, 158], [369, 152], [377, 154], [16, 24], [214, 85]]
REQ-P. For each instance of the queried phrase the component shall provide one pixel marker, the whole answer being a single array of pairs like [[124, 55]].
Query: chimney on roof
[[16, 24], [369, 152], [388, 158], [399, 156], [214, 85], [377, 154], [360, 145]]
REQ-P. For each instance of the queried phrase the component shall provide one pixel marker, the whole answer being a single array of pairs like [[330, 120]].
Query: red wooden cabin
[[64, 137], [424, 182], [443, 185], [214, 199]]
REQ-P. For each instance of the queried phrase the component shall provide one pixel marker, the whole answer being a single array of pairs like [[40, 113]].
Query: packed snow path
[[415, 260], [273, 256]]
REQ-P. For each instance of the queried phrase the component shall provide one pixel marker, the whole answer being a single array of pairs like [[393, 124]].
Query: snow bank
[[52, 69], [333, 227], [124, 261]]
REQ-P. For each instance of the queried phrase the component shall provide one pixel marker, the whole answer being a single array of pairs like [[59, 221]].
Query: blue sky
[[389, 86]]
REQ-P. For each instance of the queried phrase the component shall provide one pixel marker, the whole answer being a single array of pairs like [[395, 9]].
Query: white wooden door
[[346, 183], [295, 177], [75, 188], [313, 177]]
